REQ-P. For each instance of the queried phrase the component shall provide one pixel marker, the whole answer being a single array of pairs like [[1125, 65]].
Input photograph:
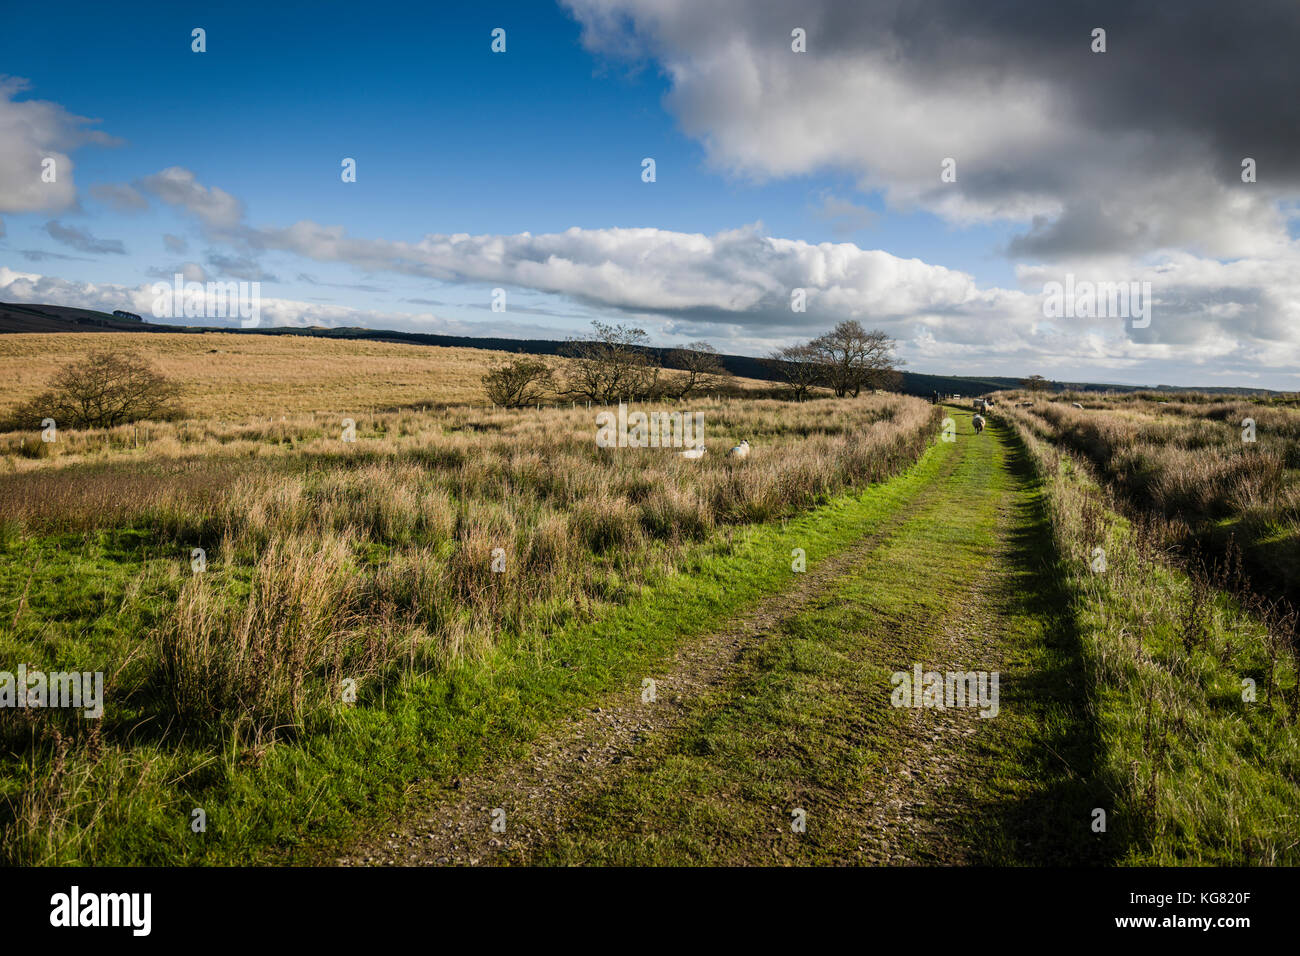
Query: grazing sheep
[[978, 423], [697, 452], [741, 450]]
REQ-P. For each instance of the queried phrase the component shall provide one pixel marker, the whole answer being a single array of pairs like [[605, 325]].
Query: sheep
[[741, 450], [1075, 405], [978, 422], [697, 452]]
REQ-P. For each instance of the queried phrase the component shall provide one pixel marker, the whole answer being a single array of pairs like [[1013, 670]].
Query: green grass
[[1119, 690], [297, 799], [808, 722], [1195, 774], [1104, 706]]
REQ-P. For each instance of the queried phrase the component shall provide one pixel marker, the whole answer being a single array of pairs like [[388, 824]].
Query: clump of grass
[[278, 656]]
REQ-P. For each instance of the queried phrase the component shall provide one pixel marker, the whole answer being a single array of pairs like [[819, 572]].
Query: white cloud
[[105, 297], [215, 208], [32, 131], [735, 286]]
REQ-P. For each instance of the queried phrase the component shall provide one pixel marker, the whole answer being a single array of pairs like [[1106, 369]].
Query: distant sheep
[[741, 450], [697, 452], [978, 423], [1075, 405]]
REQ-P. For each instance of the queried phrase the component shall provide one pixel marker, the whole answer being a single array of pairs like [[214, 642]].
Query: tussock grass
[[330, 561], [1197, 774], [1186, 464]]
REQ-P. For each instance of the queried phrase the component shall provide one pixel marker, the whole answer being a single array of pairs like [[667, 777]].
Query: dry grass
[[439, 537], [430, 536], [239, 377], [1184, 461]]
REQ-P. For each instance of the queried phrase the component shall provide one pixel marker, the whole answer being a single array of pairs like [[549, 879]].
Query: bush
[[103, 390], [519, 383]]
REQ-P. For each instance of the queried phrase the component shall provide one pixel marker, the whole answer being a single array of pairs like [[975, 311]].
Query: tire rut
[[454, 824]]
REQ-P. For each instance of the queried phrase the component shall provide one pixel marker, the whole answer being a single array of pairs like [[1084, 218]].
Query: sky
[[927, 167]]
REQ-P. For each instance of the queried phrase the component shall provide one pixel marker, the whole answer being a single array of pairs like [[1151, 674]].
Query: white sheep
[[741, 450], [978, 422], [697, 452]]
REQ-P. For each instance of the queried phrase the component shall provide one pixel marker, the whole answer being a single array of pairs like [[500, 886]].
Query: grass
[[1198, 770], [808, 722], [368, 562], [1107, 704], [478, 574], [1187, 462], [232, 376]]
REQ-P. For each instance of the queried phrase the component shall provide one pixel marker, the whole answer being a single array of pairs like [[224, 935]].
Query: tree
[[1035, 384], [103, 390], [518, 383], [611, 363], [854, 358], [703, 368], [800, 367]]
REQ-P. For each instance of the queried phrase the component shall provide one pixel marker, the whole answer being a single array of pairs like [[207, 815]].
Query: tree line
[[615, 362]]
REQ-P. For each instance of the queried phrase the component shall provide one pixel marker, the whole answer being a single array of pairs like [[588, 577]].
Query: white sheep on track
[[978, 422], [741, 450], [697, 452]]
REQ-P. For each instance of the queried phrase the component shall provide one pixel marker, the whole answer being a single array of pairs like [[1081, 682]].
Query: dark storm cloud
[[1136, 148]]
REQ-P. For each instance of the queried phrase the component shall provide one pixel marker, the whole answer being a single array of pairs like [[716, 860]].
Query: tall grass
[[1200, 768], [421, 546], [1186, 463]]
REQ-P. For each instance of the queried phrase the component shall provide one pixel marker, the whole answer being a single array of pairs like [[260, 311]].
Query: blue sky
[[451, 138]]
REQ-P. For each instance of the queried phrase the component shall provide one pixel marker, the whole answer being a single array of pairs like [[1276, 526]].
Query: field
[[1221, 476], [359, 645]]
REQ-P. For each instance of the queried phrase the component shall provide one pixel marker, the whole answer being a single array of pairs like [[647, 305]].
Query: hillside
[[21, 318], [224, 374]]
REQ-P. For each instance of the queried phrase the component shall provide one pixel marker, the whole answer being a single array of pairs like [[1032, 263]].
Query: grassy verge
[[132, 797], [1199, 769]]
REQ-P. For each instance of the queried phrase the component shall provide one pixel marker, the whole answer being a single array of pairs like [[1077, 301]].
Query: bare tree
[[800, 367], [703, 368], [521, 382], [855, 358], [103, 390], [611, 363]]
